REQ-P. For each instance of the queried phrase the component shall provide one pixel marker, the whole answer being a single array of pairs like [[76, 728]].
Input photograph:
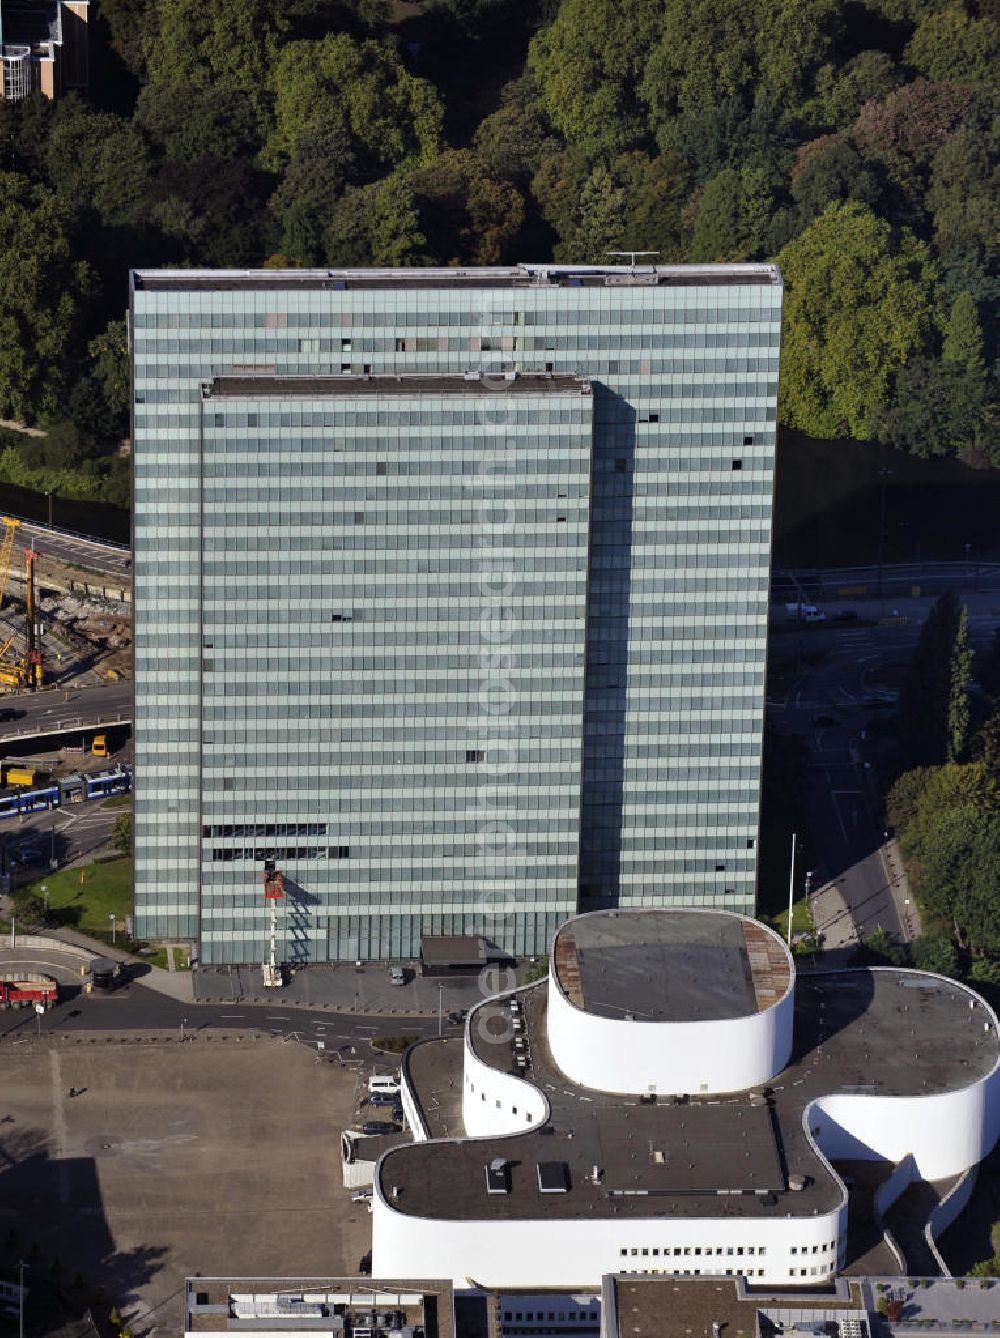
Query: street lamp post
[[114, 926], [884, 476], [49, 498], [20, 1297], [440, 1006], [45, 898], [183, 1025], [39, 1010]]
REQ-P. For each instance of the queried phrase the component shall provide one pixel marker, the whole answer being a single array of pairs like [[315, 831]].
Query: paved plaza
[[173, 1158]]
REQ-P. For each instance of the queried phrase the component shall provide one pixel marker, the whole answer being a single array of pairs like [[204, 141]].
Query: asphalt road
[[64, 834], [831, 704], [137, 1009], [63, 709], [75, 550]]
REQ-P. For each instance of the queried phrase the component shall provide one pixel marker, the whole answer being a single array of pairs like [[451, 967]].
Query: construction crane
[[33, 651], [25, 672], [6, 552], [274, 891]]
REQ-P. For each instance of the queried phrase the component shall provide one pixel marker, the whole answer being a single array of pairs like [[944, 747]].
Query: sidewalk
[[832, 917], [175, 984], [342, 987]]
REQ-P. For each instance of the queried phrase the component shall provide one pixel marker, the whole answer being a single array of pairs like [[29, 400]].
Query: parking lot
[[175, 1158]]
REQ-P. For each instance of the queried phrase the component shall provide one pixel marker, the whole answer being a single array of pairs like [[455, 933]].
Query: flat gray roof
[[888, 1032], [312, 1303], [513, 276], [685, 967], [346, 387], [670, 965], [694, 1304]]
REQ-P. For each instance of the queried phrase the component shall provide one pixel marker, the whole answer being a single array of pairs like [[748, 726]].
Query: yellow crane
[[6, 552], [26, 671]]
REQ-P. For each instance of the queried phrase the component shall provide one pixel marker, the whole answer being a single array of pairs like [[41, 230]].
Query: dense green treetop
[[467, 216], [42, 290], [964, 193], [98, 160], [189, 122], [377, 225], [513, 140], [857, 142], [393, 118], [588, 63], [841, 91], [213, 44], [951, 45], [858, 305]]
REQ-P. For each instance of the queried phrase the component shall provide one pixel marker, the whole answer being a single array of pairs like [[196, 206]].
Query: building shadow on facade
[[607, 650]]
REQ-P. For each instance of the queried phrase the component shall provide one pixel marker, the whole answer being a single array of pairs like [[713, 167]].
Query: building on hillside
[[450, 596], [672, 1101], [43, 47]]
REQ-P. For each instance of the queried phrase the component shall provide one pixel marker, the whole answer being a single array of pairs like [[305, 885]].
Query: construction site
[[61, 624]]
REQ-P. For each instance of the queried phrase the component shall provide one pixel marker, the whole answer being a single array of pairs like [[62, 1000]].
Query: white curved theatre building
[[670, 1101]]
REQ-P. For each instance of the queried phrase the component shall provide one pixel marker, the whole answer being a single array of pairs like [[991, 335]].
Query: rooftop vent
[[796, 1182], [553, 1177], [497, 1176]]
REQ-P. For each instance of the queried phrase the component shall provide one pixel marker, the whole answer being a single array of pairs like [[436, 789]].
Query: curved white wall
[[411, 1106], [560, 1252], [495, 1102], [944, 1133], [613, 1055]]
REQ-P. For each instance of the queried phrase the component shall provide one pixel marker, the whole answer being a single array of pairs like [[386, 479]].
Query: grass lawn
[[87, 896], [117, 801], [802, 919], [156, 955], [182, 957]]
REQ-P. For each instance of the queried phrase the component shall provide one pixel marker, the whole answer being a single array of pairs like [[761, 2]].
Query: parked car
[[384, 1099], [372, 1127], [397, 976], [458, 1016], [384, 1082], [361, 1196]]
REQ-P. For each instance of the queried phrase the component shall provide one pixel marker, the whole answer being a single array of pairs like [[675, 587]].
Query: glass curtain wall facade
[[410, 560], [638, 616]]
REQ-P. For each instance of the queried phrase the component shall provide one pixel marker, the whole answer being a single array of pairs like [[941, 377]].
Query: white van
[[805, 613], [383, 1082]]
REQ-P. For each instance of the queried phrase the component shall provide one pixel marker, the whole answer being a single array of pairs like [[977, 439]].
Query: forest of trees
[[945, 802], [853, 140]]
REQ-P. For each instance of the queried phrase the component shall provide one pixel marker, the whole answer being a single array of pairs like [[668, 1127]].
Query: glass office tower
[[451, 597]]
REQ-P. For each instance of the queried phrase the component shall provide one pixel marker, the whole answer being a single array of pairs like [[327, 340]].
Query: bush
[[985, 971], [536, 971], [394, 1045], [935, 952]]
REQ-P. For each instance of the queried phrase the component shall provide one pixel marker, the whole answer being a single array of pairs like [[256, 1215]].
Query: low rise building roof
[[881, 1031]]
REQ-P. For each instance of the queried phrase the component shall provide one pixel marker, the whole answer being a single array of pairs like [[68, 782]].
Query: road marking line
[[59, 1125]]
